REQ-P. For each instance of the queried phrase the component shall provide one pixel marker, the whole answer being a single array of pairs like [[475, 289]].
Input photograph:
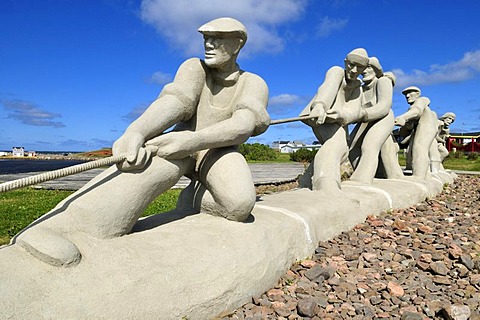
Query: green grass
[[18, 208], [452, 163], [462, 164], [281, 158]]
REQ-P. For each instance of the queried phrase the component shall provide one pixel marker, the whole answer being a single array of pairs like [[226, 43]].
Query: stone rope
[[51, 175], [280, 121], [28, 181]]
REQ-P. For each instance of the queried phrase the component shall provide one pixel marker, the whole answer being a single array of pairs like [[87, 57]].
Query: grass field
[[20, 207], [452, 163], [281, 157]]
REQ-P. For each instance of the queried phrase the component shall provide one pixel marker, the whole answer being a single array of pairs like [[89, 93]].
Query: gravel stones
[[421, 262]]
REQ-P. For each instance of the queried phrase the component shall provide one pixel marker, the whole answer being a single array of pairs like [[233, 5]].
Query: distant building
[[278, 145], [292, 146], [18, 151], [467, 142], [31, 153], [3, 153]]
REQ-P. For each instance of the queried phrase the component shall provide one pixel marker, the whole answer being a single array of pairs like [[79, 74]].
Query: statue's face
[[219, 51], [411, 96], [368, 74], [353, 69], [448, 121]]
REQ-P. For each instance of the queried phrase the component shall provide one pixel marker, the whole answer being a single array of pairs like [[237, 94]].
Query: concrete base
[[196, 266]]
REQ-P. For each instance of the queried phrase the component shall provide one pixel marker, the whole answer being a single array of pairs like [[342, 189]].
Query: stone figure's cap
[[390, 75], [448, 115], [225, 26], [377, 67], [359, 56], [411, 88]]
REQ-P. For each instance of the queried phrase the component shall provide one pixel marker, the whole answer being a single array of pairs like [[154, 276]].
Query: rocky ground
[[273, 188], [422, 262]]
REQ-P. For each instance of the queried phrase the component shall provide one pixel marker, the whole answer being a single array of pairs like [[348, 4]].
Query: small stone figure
[[439, 150], [337, 103], [419, 126], [376, 124], [214, 106]]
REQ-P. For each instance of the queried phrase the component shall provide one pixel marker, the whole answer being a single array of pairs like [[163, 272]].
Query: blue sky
[[74, 74]]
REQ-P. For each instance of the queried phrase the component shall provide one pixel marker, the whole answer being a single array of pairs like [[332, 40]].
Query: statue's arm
[[176, 102], [325, 96], [327, 92], [415, 110], [443, 134], [384, 91], [249, 118]]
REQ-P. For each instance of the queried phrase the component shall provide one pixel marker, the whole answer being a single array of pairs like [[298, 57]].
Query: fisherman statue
[[214, 106]]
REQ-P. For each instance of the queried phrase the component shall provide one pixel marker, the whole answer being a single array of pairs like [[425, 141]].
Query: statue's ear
[[240, 45]]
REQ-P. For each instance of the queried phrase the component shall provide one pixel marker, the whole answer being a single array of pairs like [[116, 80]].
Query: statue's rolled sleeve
[[327, 92], [384, 101], [419, 106], [255, 99], [187, 86]]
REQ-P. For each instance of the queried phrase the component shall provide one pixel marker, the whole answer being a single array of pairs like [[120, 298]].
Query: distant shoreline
[[23, 165], [64, 155], [57, 157]]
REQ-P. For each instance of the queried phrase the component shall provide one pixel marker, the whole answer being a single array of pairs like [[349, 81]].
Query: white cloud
[[456, 71], [283, 103], [284, 99], [160, 78], [135, 113], [329, 25], [178, 20], [30, 114]]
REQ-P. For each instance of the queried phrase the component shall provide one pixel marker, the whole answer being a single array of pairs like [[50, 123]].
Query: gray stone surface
[[194, 266]]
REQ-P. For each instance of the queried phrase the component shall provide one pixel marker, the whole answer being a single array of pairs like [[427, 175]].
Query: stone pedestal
[[195, 266]]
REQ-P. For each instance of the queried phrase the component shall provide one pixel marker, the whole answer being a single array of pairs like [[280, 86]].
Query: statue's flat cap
[[225, 26], [448, 115], [359, 56], [377, 67], [411, 88]]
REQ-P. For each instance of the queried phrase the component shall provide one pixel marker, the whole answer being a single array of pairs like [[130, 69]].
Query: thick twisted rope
[[28, 181], [55, 174], [280, 121]]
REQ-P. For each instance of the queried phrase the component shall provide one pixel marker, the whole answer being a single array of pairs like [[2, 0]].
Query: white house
[[18, 151], [278, 145], [292, 146], [3, 153]]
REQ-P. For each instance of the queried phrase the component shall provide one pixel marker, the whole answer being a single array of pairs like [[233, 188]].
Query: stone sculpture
[[439, 150], [388, 166], [214, 107], [337, 103], [376, 124], [419, 126]]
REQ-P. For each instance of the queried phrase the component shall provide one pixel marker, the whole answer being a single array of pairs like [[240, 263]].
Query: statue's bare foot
[[328, 185], [50, 247]]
